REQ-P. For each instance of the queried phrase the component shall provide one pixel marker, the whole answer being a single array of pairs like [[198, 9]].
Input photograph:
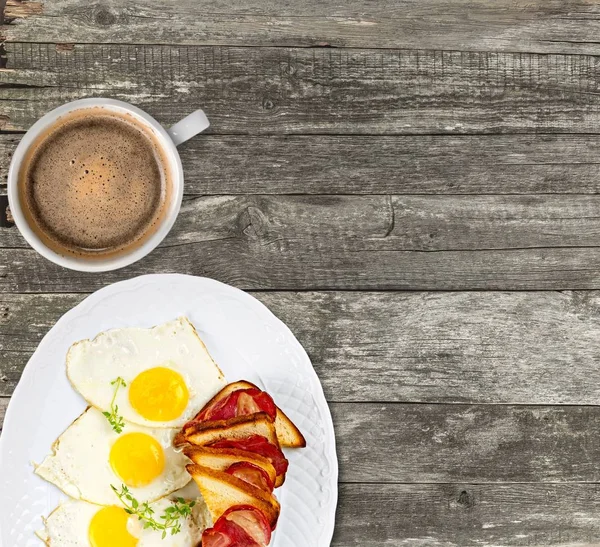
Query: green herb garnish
[[169, 521], [117, 422]]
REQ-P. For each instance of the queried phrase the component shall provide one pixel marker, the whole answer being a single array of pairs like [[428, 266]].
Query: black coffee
[[94, 184]]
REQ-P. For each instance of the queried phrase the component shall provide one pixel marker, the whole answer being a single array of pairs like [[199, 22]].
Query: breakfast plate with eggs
[[168, 410]]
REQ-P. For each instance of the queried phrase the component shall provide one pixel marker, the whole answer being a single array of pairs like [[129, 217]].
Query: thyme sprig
[[117, 422], [168, 522]]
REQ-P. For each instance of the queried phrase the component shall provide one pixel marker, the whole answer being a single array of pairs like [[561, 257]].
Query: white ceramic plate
[[245, 339]]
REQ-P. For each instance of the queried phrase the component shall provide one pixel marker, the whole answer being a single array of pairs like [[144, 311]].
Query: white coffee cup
[[168, 139]]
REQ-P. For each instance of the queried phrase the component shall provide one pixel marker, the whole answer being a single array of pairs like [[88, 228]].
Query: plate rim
[[133, 283]]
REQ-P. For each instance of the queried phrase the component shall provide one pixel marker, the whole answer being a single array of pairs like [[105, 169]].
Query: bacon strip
[[252, 521], [230, 535], [259, 445], [252, 474], [240, 526], [239, 403]]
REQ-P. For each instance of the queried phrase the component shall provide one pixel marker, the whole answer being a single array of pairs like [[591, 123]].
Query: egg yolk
[[108, 528], [137, 459], [159, 394]]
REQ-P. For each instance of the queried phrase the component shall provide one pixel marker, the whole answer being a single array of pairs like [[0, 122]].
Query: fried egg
[[167, 371], [81, 524], [90, 456]]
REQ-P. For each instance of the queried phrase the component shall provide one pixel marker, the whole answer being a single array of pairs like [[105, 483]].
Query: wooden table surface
[[413, 187]]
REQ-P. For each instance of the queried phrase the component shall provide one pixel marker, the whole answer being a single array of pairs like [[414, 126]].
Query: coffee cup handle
[[190, 126]]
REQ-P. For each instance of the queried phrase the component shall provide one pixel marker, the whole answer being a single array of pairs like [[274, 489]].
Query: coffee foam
[[95, 184]]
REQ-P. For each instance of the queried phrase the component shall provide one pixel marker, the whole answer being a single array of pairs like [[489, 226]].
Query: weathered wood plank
[[281, 90], [537, 348], [539, 25], [23, 324], [354, 164], [465, 443], [356, 242], [350, 225], [407, 443], [468, 515], [282, 265], [3, 405]]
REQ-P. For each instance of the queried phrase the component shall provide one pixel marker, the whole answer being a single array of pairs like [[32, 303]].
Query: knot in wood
[[268, 104], [105, 18], [259, 228], [289, 69], [253, 222], [466, 499]]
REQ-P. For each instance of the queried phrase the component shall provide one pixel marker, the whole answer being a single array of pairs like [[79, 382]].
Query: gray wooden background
[[413, 187]]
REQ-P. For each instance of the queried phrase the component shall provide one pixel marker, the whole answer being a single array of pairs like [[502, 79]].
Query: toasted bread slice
[[240, 427], [222, 491], [222, 459], [287, 433]]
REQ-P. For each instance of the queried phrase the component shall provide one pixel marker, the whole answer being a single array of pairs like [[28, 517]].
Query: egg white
[[80, 465], [68, 526], [93, 364]]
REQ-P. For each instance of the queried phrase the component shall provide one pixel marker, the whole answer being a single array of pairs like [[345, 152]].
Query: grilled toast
[[240, 427], [222, 459], [222, 491]]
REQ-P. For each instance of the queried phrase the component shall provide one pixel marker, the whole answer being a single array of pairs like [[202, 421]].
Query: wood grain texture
[[468, 515], [353, 225], [536, 348], [356, 242], [3, 405], [316, 91], [436, 443], [465, 443], [356, 164], [485, 347], [539, 25], [278, 265]]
